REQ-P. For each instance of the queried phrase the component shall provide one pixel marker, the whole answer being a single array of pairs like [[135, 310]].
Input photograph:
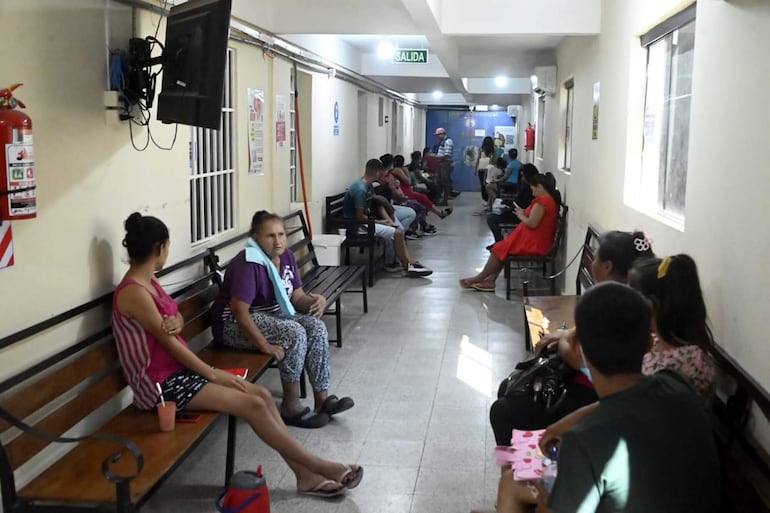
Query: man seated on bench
[[648, 446], [147, 323], [355, 206], [257, 309]]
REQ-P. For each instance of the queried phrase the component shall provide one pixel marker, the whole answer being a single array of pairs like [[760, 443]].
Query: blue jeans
[[494, 220]]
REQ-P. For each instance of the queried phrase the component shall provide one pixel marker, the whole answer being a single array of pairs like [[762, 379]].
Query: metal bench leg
[[363, 290], [123, 497], [371, 266], [507, 279], [302, 385], [230, 458], [338, 321]]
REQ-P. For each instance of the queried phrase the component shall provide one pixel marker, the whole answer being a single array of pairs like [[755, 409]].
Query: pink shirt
[[145, 361], [690, 360]]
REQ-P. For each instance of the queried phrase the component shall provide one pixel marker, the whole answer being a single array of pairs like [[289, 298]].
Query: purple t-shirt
[[251, 283]]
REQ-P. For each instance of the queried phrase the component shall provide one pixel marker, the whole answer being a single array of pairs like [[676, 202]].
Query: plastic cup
[[167, 416], [342, 232]]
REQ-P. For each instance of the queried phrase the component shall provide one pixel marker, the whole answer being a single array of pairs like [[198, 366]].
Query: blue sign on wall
[[467, 130], [336, 125]]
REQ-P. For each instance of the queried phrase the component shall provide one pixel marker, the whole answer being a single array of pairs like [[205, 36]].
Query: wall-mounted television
[[194, 59]]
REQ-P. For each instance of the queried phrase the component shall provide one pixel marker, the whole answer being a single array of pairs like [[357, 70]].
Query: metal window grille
[[212, 169]]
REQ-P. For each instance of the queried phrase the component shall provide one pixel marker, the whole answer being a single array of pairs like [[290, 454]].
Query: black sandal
[[307, 419], [334, 405], [445, 213]]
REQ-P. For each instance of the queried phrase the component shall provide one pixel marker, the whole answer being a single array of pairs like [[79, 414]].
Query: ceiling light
[[437, 95], [481, 108], [501, 81], [385, 50]]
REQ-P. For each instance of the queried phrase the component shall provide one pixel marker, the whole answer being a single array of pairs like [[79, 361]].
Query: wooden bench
[[544, 262], [81, 389], [335, 221], [543, 314], [329, 281]]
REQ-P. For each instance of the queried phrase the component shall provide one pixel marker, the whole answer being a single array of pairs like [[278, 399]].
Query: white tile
[[393, 453]]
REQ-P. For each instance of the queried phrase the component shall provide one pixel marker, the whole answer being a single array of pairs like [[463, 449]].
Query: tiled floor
[[423, 366]]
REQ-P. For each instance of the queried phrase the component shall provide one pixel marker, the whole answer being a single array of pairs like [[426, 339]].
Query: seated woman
[[532, 237], [615, 255], [681, 340], [418, 178], [401, 174], [147, 323], [257, 310]]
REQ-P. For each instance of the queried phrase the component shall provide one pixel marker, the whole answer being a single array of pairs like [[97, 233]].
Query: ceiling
[[469, 44]]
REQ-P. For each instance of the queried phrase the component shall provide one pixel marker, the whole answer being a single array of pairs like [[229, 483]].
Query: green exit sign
[[405, 55]]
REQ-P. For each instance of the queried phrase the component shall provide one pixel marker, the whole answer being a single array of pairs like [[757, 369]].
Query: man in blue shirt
[[355, 205]]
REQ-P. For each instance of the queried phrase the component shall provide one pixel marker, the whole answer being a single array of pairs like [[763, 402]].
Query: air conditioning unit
[[514, 111]]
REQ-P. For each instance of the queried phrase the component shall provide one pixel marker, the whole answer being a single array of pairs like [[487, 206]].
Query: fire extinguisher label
[[20, 159]]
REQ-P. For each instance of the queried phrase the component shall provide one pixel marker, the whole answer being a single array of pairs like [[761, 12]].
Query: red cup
[[167, 416]]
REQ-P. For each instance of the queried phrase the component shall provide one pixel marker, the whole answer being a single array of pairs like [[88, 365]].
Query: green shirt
[[647, 449]]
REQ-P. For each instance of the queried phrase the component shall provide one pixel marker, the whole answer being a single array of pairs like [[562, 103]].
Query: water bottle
[[550, 469]]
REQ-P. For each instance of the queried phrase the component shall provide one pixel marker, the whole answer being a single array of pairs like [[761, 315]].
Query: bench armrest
[[127, 444]]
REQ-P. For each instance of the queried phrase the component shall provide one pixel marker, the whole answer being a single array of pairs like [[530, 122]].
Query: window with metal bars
[[212, 169]]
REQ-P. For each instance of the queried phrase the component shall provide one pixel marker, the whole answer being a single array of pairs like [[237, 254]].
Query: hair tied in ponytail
[[663, 267]]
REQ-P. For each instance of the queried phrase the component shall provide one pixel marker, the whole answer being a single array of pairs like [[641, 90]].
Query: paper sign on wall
[[336, 118], [280, 120], [256, 132], [595, 127]]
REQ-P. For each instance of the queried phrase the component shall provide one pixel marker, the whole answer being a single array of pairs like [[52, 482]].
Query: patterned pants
[[304, 339]]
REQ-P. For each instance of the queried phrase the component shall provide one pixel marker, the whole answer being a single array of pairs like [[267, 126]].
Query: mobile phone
[[188, 417]]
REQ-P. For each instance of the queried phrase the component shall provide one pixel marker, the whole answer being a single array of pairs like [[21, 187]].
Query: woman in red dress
[[532, 237]]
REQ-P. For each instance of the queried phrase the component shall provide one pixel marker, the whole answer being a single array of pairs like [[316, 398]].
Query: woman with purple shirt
[[252, 312]]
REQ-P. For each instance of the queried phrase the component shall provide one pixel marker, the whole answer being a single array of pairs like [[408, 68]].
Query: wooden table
[[545, 314]]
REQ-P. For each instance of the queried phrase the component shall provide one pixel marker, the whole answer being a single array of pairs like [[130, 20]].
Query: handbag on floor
[[246, 493], [543, 378]]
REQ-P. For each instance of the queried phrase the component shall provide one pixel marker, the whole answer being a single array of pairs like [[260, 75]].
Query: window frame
[[213, 165], [569, 87], [657, 200]]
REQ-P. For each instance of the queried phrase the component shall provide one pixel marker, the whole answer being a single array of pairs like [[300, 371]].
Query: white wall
[[90, 178], [728, 178]]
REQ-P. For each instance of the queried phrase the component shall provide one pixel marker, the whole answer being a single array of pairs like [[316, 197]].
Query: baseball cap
[[439, 131]]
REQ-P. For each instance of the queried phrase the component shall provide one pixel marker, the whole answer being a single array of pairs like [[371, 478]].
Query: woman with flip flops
[[147, 326], [262, 307], [533, 236]]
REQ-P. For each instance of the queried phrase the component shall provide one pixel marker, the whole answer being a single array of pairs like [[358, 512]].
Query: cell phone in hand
[[188, 418]]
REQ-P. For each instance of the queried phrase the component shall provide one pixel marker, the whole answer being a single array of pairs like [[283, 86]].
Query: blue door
[[467, 130]]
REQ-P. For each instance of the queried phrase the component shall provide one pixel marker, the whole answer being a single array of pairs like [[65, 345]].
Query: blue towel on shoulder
[[255, 255]]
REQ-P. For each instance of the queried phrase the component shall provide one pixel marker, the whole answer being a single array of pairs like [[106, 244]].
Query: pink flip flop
[[319, 491], [465, 284], [351, 478], [483, 287]]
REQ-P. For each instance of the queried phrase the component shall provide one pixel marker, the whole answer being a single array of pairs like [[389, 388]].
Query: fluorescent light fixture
[[495, 107], [501, 81], [385, 50], [481, 108], [533, 79], [437, 95]]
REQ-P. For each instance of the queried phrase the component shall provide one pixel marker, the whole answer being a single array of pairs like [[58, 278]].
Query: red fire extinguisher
[[529, 138], [18, 198]]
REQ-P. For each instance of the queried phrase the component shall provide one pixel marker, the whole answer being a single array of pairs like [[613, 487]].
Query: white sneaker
[[417, 269]]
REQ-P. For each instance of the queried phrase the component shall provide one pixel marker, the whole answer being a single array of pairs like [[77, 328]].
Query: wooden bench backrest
[[335, 212], [585, 276], [745, 462], [558, 236], [65, 389]]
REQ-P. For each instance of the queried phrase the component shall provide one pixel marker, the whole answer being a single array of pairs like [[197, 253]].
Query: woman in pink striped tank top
[[147, 323]]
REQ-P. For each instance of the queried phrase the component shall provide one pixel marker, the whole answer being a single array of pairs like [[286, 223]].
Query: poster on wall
[[280, 120], [595, 127], [256, 103], [507, 136], [336, 118], [6, 245]]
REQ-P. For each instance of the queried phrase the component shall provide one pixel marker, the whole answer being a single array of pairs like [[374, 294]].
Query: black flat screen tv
[[194, 60]]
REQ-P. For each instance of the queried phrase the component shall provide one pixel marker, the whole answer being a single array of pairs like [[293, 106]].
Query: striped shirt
[[145, 361], [446, 148]]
